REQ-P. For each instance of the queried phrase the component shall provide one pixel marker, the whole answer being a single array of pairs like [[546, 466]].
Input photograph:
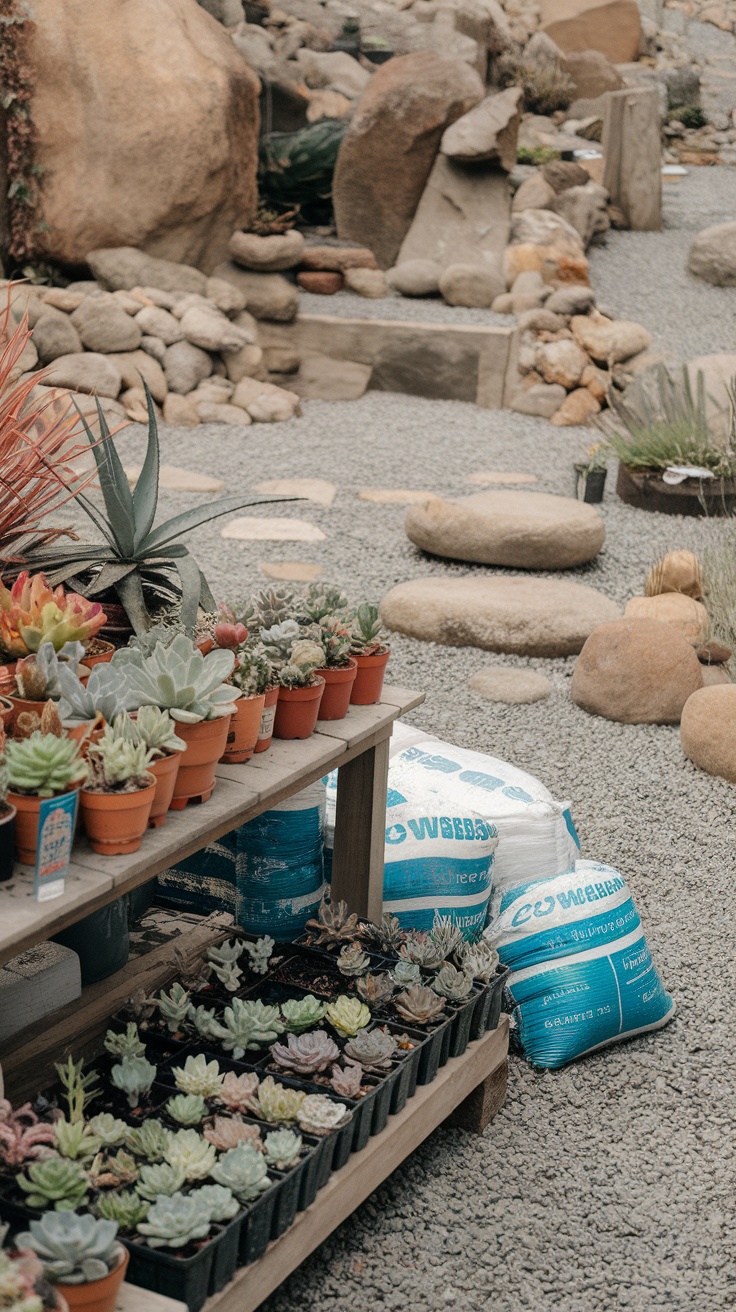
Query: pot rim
[[136, 792]]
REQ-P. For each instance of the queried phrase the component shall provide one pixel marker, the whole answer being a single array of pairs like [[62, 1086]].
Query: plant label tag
[[56, 820]]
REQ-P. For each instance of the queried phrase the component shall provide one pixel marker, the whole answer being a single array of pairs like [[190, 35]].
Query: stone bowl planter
[[646, 490]]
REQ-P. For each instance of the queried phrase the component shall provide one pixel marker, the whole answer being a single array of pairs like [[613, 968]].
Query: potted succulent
[[85, 708], [295, 660], [328, 612], [251, 677], [154, 729], [7, 818], [116, 800], [37, 676], [590, 475], [176, 677], [371, 654], [38, 767], [23, 1286], [81, 1256], [271, 606], [32, 613]]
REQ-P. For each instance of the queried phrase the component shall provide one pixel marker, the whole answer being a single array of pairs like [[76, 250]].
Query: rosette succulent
[[203, 1020], [282, 1148], [237, 1090], [134, 1077], [451, 983], [159, 1179], [478, 959], [221, 1202], [73, 1249], [419, 1005], [187, 1150], [446, 936], [104, 692], [44, 765], [198, 1076], [228, 1131], [223, 960], [107, 1129], [387, 936], [352, 960], [187, 1108], [33, 613], [319, 1115], [306, 1054], [420, 948], [301, 1014], [248, 1024], [125, 1209], [348, 1015], [405, 973], [176, 677], [174, 1007], [275, 1102], [148, 1140], [243, 1171], [374, 1049], [114, 1171], [333, 925], [127, 1044], [75, 1140], [57, 1183], [176, 1221], [347, 1081], [375, 989], [23, 1137]]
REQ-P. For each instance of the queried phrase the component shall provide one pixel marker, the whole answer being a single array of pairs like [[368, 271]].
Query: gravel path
[[425, 309]]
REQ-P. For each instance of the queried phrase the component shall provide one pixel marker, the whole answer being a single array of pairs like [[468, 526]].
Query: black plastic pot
[[461, 1027], [435, 1050], [378, 56], [256, 1226], [589, 484], [100, 941], [497, 987], [7, 843], [187, 1279]]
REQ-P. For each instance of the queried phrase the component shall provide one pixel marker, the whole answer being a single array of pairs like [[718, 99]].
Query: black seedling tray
[[188, 1279]]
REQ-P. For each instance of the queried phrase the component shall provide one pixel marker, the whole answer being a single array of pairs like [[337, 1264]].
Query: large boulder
[[528, 616], [713, 255], [708, 730], [462, 218], [592, 74], [636, 671], [489, 131], [611, 26], [685, 614], [388, 151], [527, 530], [146, 123], [678, 571]]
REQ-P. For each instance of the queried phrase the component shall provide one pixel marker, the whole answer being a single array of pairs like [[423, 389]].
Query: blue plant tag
[[56, 818]]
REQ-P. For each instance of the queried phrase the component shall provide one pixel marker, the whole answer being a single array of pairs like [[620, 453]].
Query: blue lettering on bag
[[487, 781], [395, 834], [424, 827]]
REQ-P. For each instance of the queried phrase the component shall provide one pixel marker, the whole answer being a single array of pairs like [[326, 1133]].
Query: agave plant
[[375, 989], [306, 1054], [282, 1148], [143, 566], [56, 1183], [176, 1221], [302, 1013], [347, 1081], [333, 924], [148, 1140], [222, 1202], [319, 1114], [160, 1179], [237, 1090], [125, 1044], [199, 1076], [387, 935], [187, 1108], [275, 1102], [126, 1209], [228, 1131], [352, 960], [419, 1005], [453, 984], [188, 1150], [243, 1171], [348, 1015], [73, 1249], [374, 1049], [23, 1138], [248, 1024]]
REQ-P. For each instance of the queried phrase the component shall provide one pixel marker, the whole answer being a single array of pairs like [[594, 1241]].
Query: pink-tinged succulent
[[237, 1090], [24, 1138], [227, 1132], [32, 613], [347, 1081], [230, 635], [306, 1054]]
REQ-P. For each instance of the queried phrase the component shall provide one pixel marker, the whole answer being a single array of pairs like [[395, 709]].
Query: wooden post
[[479, 1108], [632, 151], [360, 830]]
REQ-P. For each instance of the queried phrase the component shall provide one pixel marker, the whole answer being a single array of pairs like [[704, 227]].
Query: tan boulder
[[611, 26], [103, 325], [507, 683], [683, 613], [678, 571], [389, 148], [267, 254], [55, 335], [535, 193], [462, 217], [607, 340], [366, 282], [489, 131], [527, 616], [265, 402], [471, 285], [541, 240], [88, 371], [146, 127], [179, 411], [708, 730], [157, 281], [134, 365], [527, 530], [560, 362], [338, 259], [713, 255], [415, 277], [597, 382], [577, 408], [636, 672], [592, 73], [267, 295]]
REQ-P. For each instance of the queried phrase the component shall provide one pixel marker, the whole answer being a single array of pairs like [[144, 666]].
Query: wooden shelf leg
[[480, 1106], [360, 831]]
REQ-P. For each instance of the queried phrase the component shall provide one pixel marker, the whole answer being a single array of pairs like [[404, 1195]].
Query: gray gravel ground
[[425, 309]]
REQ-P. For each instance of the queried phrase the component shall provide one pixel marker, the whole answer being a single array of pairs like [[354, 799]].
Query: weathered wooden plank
[[24, 921], [131, 1298], [360, 831], [353, 733], [403, 698]]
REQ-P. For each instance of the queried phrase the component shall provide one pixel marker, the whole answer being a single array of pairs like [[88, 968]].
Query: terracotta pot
[[99, 657], [368, 684], [87, 732], [245, 726], [164, 770], [339, 680], [97, 1295], [7, 677], [205, 744], [7, 711], [297, 710], [26, 823], [20, 704], [268, 715], [116, 822]]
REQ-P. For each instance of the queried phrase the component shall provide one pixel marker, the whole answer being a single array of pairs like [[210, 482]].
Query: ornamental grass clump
[[663, 422]]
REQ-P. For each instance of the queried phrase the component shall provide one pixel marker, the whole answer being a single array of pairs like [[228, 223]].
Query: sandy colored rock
[[472, 285], [179, 411], [250, 529], [155, 322], [462, 217], [597, 382], [103, 325], [540, 240], [560, 362], [265, 402], [248, 362], [226, 297], [678, 571], [338, 259], [55, 335], [389, 148], [577, 408], [636, 671], [525, 530], [322, 284], [528, 291], [611, 26], [146, 123], [396, 496], [713, 255], [609, 341], [281, 359], [489, 477], [592, 73], [85, 372], [211, 330], [134, 364], [708, 730], [535, 193], [585, 208], [121, 268], [185, 366], [714, 674], [489, 131], [525, 616], [267, 254], [154, 346], [503, 304], [326, 379], [571, 300], [506, 683], [308, 489], [541, 399], [221, 412], [134, 402], [415, 277], [684, 613], [334, 69], [291, 571], [267, 295], [366, 282], [60, 298]]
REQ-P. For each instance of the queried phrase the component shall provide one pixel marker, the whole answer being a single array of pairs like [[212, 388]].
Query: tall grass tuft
[[667, 424]]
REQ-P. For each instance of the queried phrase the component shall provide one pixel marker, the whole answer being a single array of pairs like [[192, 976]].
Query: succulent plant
[[159, 1179], [422, 950], [139, 1003], [248, 1024], [375, 989], [37, 675], [319, 602], [222, 1202], [75, 1141], [347, 1081], [125, 1208], [348, 1015], [319, 1114], [133, 1077], [228, 1131], [243, 1170], [259, 954], [33, 614], [275, 1102], [74, 1249], [199, 1076], [104, 692], [253, 671], [178, 678], [148, 1140], [107, 1129], [176, 1221], [374, 1049], [153, 728], [23, 1138], [203, 1020], [187, 1108], [446, 936], [223, 961], [270, 606], [189, 1151], [282, 1148], [306, 1054], [56, 1183], [419, 1005], [237, 1090], [387, 935], [79, 1087], [114, 1171], [117, 766], [366, 633], [333, 924], [44, 765], [127, 1044], [174, 1006], [478, 959], [405, 973], [451, 983], [352, 960], [301, 1014]]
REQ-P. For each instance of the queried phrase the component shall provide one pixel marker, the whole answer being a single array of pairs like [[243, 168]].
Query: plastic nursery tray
[[188, 1279]]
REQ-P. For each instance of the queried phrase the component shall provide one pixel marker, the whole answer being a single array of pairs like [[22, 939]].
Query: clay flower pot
[[205, 742], [97, 656], [7, 711], [24, 704], [96, 1295], [297, 710], [368, 684], [7, 842], [339, 680], [7, 678], [26, 823], [268, 715], [86, 732], [164, 770], [116, 822], [245, 726]]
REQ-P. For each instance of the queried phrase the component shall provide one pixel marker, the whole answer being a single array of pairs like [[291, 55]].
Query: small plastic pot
[[589, 484], [116, 822], [99, 657], [297, 710], [7, 843], [96, 1295], [245, 726], [368, 684], [164, 770], [268, 715], [205, 744], [339, 680]]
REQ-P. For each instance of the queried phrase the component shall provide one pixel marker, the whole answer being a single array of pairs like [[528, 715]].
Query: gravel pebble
[[424, 309]]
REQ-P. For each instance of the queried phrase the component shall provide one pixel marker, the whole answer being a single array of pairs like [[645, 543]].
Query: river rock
[[265, 402], [415, 277], [713, 255], [206, 327], [564, 173], [489, 131], [506, 683], [708, 730], [180, 411], [104, 326], [609, 341], [135, 366], [462, 217], [527, 616], [611, 26], [636, 671], [535, 193], [321, 284], [572, 300], [366, 282], [539, 240], [226, 297], [471, 285], [540, 399], [121, 268], [526, 530], [678, 571], [684, 613], [267, 295], [560, 362], [267, 254], [337, 259], [55, 335], [577, 408], [592, 74], [185, 366], [85, 372], [155, 322]]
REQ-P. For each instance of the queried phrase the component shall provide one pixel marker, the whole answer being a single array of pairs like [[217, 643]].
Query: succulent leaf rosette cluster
[[32, 613], [294, 658]]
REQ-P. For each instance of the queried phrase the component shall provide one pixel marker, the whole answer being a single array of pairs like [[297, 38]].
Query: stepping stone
[[526, 530], [524, 616], [178, 480], [291, 571], [395, 496], [503, 683], [486, 477], [250, 529], [311, 489]]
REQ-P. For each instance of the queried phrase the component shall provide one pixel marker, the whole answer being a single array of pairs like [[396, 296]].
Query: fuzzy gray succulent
[[174, 1007], [306, 1054], [421, 949], [204, 1021], [107, 1129], [260, 954], [223, 960], [176, 1221], [352, 960], [451, 983], [73, 1249], [376, 989], [405, 973], [248, 1025], [242, 1170], [373, 1049], [177, 678]]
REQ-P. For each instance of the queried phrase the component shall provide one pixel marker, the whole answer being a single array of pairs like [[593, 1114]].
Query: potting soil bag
[[204, 882], [279, 865], [582, 975]]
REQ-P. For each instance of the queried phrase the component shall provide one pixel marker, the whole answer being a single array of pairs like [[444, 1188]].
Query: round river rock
[[637, 672]]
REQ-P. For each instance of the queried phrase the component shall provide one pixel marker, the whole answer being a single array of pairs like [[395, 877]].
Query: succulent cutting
[[348, 1015], [333, 925], [319, 1115], [248, 1024], [374, 1049], [133, 1077], [301, 1014], [352, 960], [199, 1076], [282, 1148], [275, 1102], [187, 1108], [419, 1005], [306, 1054], [75, 1250], [242, 1170]]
